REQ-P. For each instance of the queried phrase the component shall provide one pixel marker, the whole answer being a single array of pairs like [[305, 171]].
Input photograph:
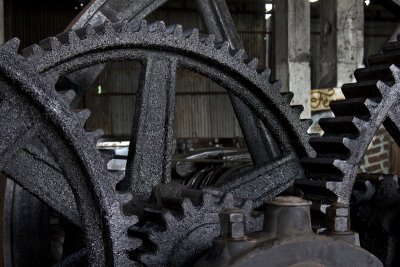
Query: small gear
[[177, 237]]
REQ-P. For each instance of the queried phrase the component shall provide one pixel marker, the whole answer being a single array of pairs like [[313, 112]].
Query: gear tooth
[[247, 206], [187, 206], [306, 123], [118, 177], [276, 86], [210, 40], [254, 222], [12, 45], [108, 155], [240, 55], [33, 51], [253, 64], [383, 88], [298, 109], [129, 245], [396, 73], [96, 135], [83, 115], [194, 36], [124, 199], [73, 38], [55, 43], [51, 80], [341, 165], [158, 26], [208, 200], [161, 27], [170, 219], [349, 143], [228, 200], [170, 29], [90, 32], [359, 124], [68, 95], [371, 105], [178, 30], [287, 97], [266, 74], [125, 28], [133, 26], [225, 47], [108, 28], [143, 26]]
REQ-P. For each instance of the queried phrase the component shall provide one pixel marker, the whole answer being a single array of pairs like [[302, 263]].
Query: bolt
[[338, 218], [232, 224]]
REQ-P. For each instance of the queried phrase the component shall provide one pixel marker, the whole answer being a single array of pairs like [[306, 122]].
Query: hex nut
[[338, 210], [232, 224], [338, 224], [338, 218]]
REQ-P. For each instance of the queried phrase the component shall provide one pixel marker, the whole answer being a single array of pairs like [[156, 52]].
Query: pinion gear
[[178, 237]]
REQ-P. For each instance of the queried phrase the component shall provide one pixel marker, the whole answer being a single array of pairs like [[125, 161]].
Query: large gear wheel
[[40, 111], [161, 50], [45, 179], [371, 102], [218, 22]]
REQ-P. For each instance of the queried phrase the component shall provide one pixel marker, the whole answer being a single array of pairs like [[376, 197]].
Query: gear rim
[[69, 124]]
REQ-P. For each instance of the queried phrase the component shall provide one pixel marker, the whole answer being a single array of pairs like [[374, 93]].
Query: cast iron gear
[[30, 107], [369, 103], [161, 50], [179, 236], [217, 20]]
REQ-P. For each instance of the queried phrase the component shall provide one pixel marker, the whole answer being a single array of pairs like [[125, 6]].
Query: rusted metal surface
[[286, 240]]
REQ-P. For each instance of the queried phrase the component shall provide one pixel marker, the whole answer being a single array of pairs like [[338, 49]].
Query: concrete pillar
[[1, 21], [292, 50], [342, 41]]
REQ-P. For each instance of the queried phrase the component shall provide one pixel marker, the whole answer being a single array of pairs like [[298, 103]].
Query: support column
[[292, 50], [342, 41]]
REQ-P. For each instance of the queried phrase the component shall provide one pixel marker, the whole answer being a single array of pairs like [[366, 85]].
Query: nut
[[338, 218], [232, 224], [338, 224], [338, 210]]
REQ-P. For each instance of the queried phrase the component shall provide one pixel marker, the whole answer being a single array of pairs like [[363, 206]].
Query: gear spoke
[[44, 180], [276, 176], [150, 152], [13, 135]]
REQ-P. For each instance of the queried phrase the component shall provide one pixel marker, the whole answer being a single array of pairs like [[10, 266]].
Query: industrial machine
[[219, 206]]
